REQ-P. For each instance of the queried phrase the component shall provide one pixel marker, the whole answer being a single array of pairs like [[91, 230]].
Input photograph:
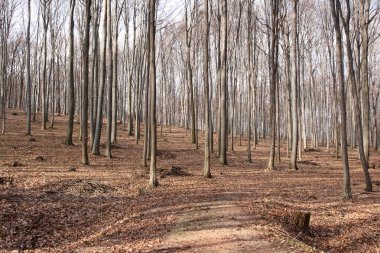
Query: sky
[[169, 10], [172, 8]]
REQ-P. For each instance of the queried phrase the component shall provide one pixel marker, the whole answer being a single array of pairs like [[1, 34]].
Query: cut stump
[[301, 220]]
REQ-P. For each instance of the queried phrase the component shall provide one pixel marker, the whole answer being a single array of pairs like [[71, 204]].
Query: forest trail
[[218, 227]]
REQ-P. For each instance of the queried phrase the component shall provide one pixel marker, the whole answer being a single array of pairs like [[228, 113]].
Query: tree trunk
[[223, 86], [109, 81], [99, 111], [358, 123], [70, 123], [85, 81], [45, 17], [335, 8], [250, 80], [115, 77], [273, 81], [152, 80], [28, 78], [206, 169], [294, 85], [364, 83]]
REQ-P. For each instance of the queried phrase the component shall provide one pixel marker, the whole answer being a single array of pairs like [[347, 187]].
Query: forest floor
[[51, 203]]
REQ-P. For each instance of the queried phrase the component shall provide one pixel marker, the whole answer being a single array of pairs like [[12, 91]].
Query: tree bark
[[206, 168], [273, 81], [294, 86], [223, 86], [352, 78], [335, 7], [109, 81], [153, 182], [85, 81], [28, 78], [99, 111], [364, 83], [115, 76], [70, 123]]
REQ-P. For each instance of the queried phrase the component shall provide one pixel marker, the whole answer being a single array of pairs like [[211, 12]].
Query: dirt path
[[219, 227]]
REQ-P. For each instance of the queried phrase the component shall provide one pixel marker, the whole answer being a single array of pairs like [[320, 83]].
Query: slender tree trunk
[[85, 81], [70, 123], [99, 111], [54, 74], [250, 80], [359, 129], [109, 81], [95, 74], [364, 24], [206, 169], [335, 6], [294, 85], [44, 74], [115, 77], [146, 115], [28, 78], [189, 69], [132, 70], [273, 81], [223, 86], [153, 182]]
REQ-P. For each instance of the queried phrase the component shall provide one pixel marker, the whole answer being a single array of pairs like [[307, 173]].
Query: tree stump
[[301, 220]]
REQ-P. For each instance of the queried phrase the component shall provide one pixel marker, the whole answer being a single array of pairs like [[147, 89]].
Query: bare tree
[[223, 86], [117, 16], [28, 76], [273, 81], [364, 83], [294, 87], [189, 68], [206, 169], [46, 15], [70, 126], [335, 10], [85, 81], [109, 80], [153, 182], [250, 79], [99, 116], [354, 93]]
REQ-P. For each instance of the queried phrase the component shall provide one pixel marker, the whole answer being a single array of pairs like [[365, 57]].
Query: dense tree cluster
[[302, 71]]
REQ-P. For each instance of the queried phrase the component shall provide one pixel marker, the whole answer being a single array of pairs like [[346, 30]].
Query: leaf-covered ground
[[51, 203]]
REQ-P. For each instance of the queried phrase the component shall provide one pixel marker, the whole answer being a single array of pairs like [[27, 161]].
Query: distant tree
[[250, 78], [28, 76]]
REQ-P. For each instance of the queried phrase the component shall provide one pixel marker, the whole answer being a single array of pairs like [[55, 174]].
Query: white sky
[[171, 8], [168, 10]]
